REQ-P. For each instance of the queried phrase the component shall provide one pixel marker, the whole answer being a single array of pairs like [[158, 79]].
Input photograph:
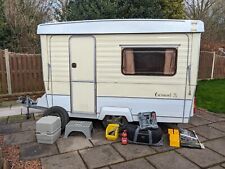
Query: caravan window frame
[[150, 73]]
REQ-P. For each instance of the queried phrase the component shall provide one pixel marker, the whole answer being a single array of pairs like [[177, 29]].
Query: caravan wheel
[[121, 120], [59, 112]]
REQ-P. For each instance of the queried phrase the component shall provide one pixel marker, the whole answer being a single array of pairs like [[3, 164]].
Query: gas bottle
[[124, 139]]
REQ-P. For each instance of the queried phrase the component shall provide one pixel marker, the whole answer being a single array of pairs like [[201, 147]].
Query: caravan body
[[104, 68]]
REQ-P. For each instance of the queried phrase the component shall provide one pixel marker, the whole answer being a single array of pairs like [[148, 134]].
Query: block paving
[[77, 152]]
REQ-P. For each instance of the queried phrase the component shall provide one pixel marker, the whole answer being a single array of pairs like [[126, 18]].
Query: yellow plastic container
[[174, 137], [112, 132]]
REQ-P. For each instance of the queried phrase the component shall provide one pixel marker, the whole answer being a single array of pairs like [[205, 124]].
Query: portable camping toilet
[[112, 70]]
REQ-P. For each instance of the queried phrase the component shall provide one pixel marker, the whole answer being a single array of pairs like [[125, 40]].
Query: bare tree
[[212, 13], [199, 9], [60, 9], [23, 16]]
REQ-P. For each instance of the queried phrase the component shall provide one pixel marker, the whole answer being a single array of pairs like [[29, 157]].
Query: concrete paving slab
[[29, 125], [20, 138], [73, 143], [223, 165], [15, 110], [202, 157], [201, 138], [210, 116], [222, 115], [165, 146], [104, 168], [34, 150], [98, 138], [208, 132], [171, 160], [100, 156], [20, 118], [131, 151], [10, 128], [185, 125], [217, 145], [3, 120], [219, 125], [216, 167], [134, 164], [197, 121], [70, 160]]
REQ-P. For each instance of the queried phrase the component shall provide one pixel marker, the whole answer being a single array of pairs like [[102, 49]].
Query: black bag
[[147, 136]]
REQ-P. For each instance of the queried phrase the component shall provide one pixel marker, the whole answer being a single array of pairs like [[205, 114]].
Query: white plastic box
[[48, 129]]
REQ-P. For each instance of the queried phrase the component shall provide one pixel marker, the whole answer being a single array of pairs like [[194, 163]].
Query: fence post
[[6, 54], [213, 64]]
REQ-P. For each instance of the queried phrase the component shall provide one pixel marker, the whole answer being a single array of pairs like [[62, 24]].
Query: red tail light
[[195, 104]]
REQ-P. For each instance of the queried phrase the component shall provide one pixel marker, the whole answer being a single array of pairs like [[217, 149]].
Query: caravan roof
[[121, 26]]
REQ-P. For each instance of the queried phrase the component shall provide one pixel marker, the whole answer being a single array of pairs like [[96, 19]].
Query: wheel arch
[[115, 111]]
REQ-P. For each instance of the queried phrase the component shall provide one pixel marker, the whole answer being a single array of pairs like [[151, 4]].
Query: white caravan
[[109, 69]]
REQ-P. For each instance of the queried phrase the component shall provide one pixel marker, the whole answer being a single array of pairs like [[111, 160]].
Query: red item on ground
[[124, 139], [195, 105]]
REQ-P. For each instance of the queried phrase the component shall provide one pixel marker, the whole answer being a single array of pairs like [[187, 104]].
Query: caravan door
[[82, 74]]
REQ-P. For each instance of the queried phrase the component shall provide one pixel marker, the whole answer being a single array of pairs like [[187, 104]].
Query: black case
[[147, 136]]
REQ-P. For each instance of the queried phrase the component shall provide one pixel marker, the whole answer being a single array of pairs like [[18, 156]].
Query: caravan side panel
[[163, 94], [60, 80], [194, 62], [55, 58]]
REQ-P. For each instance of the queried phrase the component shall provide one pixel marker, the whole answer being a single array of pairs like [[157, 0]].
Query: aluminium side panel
[[109, 48], [59, 71], [193, 75], [45, 61], [45, 101], [195, 53], [163, 94]]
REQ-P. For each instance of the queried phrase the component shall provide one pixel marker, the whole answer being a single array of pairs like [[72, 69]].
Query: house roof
[[121, 26]]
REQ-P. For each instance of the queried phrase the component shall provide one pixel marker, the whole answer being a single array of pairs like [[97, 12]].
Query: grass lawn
[[211, 95]]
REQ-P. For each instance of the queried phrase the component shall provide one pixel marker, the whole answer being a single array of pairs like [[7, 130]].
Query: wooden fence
[[211, 66], [20, 74], [219, 67]]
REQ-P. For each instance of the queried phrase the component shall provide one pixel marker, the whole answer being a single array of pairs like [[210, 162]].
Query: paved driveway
[[76, 152]]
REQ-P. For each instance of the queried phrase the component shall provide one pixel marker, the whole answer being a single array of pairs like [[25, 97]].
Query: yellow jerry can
[[174, 137], [112, 132]]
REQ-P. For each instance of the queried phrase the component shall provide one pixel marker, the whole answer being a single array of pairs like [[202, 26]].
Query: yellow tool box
[[112, 132], [174, 137]]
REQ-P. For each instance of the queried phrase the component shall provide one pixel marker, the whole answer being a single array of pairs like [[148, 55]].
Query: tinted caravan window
[[149, 61]]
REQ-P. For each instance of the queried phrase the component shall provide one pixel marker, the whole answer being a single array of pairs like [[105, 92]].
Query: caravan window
[[149, 61]]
